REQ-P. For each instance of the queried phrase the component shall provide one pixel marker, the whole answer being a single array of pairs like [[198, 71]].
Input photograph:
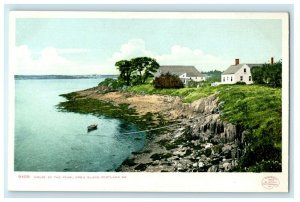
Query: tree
[[257, 75], [145, 68], [124, 66], [213, 76], [137, 70], [275, 74], [270, 74]]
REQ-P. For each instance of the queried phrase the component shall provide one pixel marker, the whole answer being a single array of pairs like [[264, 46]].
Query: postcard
[[148, 101]]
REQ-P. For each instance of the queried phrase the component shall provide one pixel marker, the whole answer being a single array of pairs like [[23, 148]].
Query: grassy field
[[188, 94]]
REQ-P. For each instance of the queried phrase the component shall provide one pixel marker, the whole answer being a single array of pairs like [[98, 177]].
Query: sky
[[93, 46]]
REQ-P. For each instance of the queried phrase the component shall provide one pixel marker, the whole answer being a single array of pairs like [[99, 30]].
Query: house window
[[241, 78], [227, 78], [231, 79], [244, 70], [250, 78], [224, 79]]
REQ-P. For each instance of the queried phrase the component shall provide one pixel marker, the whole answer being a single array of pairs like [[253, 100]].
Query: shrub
[[240, 83], [168, 81], [262, 156], [193, 84], [112, 83]]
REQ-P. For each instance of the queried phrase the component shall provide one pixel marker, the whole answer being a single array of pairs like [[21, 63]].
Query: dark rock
[[207, 152], [215, 159], [129, 162], [213, 168], [141, 167]]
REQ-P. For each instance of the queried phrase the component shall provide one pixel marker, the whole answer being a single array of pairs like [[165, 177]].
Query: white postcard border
[[148, 182]]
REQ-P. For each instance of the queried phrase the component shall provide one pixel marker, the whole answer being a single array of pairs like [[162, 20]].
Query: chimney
[[272, 60], [237, 61]]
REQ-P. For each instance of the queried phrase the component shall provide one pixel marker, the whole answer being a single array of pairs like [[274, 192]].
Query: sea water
[[49, 140]]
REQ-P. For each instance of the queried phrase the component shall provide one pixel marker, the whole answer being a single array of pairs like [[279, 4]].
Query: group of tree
[[213, 76], [269, 74], [137, 70]]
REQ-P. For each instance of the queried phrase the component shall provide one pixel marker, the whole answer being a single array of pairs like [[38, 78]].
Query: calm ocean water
[[49, 140]]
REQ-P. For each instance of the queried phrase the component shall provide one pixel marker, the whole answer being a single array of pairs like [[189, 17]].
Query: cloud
[[133, 48], [72, 50], [50, 61], [54, 61], [177, 55], [180, 55]]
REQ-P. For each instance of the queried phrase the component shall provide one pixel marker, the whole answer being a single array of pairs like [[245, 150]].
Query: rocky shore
[[197, 141], [201, 142]]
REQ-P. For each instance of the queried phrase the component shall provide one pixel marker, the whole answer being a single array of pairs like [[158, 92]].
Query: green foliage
[[193, 84], [213, 76], [257, 75], [137, 70], [69, 95], [269, 74], [145, 67], [253, 106], [240, 83], [112, 83], [256, 109], [262, 157], [266, 166], [168, 81], [188, 94], [124, 66]]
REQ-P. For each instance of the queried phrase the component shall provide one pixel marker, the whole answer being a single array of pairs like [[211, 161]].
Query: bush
[[168, 81], [193, 84], [262, 156], [240, 83], [269, 74], [112, 83]]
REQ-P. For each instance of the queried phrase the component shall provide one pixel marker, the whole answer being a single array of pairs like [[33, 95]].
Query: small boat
[[92, 127]]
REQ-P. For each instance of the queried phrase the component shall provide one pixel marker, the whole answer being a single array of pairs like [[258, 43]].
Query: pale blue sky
[[79, 46]]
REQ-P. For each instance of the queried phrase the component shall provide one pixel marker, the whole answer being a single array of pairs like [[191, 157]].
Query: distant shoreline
[[52, 76]]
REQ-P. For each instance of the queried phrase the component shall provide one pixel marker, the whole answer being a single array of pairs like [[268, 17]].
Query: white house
[[185, 73], [238, 73]]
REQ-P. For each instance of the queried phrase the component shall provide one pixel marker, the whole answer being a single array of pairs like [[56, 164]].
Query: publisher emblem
[[270, 182]]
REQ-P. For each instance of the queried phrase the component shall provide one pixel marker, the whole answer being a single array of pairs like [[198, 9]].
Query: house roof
[[234, 68], [178, 70], [254, 65]]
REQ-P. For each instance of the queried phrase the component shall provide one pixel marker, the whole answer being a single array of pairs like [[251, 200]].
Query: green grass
[[188, 94], [252, 106]]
